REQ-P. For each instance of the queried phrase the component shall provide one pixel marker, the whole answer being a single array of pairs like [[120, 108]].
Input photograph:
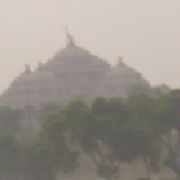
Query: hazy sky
[[145, 32]]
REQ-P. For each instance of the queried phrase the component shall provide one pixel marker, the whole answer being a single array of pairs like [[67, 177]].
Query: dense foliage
[[110, 131]]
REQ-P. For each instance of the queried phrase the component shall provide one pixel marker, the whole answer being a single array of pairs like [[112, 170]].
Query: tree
[[9, 120], [10, 155], [111, 116], [107, 133], [171, 114], [53, 148], [131, 144], [110, 131], [38, 162]]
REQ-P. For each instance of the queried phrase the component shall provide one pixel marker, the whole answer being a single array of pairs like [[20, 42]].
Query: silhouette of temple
[[72, 72]]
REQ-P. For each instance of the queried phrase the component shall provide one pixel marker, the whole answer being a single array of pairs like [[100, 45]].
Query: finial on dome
[[27, 68], [70, 38]]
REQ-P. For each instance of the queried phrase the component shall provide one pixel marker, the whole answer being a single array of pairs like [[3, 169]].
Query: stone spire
[[70, 39]]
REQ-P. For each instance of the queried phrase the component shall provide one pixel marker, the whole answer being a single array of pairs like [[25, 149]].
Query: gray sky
[[145, 32]]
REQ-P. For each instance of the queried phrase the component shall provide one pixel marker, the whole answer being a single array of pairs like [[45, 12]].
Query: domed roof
[[72, 72], [22, 78], [41, 75], [78, 69], [75, 59], [122, 80], [123, 72]]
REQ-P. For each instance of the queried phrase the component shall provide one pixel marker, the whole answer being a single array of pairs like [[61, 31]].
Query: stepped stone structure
[[72, 72]]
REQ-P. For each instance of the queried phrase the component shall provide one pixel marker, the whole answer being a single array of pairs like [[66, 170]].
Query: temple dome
[[72, 72], [78, 69], [76, 59], [122, 81]]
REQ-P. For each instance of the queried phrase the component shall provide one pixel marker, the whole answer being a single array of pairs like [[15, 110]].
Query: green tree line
[[110, 131]]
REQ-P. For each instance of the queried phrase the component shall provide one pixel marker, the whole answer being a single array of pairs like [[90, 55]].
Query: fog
[[47, 133], [144, 32]]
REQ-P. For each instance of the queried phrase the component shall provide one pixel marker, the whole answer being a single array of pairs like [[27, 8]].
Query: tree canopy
[[109, 131]]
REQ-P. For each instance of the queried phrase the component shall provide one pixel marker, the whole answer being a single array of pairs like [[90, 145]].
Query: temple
[[72, 72]]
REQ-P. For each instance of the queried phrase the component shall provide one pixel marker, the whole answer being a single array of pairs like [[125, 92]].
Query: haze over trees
[[110, 131]]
